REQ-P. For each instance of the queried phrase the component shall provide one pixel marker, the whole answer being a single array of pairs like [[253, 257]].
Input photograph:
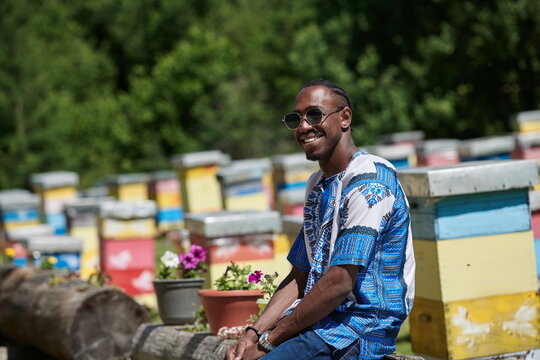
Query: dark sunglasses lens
[[314, 116], [292, 120]]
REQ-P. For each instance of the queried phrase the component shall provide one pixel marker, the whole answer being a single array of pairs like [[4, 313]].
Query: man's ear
[[346, 118]]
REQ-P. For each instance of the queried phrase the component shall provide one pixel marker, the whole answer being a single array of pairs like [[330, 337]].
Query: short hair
[[336, 89]]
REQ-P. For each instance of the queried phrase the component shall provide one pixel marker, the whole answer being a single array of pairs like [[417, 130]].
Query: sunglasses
[[313, 117]]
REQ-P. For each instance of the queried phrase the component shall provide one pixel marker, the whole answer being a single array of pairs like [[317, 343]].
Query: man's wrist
[[250, 331], [264, 343]]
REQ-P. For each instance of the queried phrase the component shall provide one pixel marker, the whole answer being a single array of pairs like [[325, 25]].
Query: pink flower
[[255, 277], [189, 261], [198, 252]]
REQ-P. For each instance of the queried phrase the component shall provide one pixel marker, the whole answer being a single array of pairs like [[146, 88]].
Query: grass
[[403, 341]]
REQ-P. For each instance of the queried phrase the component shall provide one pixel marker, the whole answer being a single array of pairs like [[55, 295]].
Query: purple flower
[[188, 261], [255, 277], [198, 252]]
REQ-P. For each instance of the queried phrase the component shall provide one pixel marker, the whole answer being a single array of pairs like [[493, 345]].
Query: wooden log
[[160, 342], [68, 319]]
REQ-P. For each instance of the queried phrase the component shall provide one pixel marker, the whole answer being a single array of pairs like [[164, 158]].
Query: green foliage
[[105, 87], [235, 277]]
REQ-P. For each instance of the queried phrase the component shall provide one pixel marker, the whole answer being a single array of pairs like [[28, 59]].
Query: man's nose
[[304, 125]]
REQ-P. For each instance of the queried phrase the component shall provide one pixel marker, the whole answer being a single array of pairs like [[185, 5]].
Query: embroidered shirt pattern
[[374, 233]]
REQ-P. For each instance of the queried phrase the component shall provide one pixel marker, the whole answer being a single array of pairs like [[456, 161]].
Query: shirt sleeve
[[365, 209], [297, 255]]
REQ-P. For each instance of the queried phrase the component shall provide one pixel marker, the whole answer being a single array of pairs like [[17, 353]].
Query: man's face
[[318, 141]]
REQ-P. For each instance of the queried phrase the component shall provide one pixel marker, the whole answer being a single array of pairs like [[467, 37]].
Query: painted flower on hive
[[188, 265], [10, 253]]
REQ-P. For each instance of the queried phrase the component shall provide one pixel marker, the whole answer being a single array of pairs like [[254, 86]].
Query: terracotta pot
[[178, 300], [229, 307]]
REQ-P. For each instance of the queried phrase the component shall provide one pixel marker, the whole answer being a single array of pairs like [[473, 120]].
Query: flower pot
[[229, 307], [177, 300]]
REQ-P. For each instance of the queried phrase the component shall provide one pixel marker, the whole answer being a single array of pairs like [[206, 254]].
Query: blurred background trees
[[113, 86]]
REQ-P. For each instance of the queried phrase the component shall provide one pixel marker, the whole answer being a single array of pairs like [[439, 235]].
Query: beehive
[[55, 189], [476, 288], [66, 250], [486, 148], [291, 173], [164, 189], [199, 185], [127, 244], [18, 208], [402, 156], [246, 185], [437, 152], [82, 215], [245, 237], [129, 187]]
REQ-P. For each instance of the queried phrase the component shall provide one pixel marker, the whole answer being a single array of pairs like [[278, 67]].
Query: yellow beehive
[[200, 187], [508, 267], [257, 201], [132, 192], [476, 327], [64, 192], [129, 187], [166, 200], [14, 225]]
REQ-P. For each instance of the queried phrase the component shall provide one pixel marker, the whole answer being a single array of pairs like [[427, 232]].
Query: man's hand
[[236, 351], [253, 352]]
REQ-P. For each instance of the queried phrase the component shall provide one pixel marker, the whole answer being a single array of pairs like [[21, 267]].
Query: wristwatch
[[263, 341]]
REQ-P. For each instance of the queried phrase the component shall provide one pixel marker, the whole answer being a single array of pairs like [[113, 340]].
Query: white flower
[[170, 259]]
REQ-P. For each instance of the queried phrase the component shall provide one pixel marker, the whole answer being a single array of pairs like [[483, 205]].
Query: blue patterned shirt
[[370, 228]]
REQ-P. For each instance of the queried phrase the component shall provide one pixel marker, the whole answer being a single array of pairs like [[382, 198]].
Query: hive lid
[[393, 151], [486, 146], [23, 232], [128, 210], [14, 200], [227, 223], [527, 140], [400, 137], [136, 178], [55, 179], [202, 158], [294, 162], [292, 225], [526, 116], [96, 191], [85, 205], [240, 170], [469, 177], [164, 175], [435, 145], [50, 244]]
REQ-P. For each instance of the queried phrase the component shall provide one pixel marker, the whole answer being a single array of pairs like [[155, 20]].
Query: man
[[352, 281]]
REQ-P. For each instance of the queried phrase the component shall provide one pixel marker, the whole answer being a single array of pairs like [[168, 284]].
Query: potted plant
[[233, 301], [177, 283], [266, 282]]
